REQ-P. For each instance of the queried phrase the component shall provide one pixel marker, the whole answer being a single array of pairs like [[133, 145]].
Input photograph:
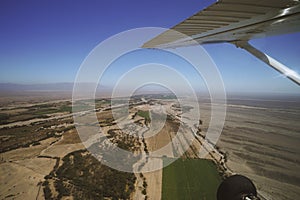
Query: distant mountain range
[[36, 87], [6, 88], [13, 87]]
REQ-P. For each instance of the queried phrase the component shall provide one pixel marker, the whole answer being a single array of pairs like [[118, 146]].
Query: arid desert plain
[[44, 157]]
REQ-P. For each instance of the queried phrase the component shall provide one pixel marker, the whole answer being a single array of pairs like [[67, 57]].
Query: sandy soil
[[26, 153], [154, 180], [14, 111], [60, 150], [264, 145], [177, 140], [159, 142], [68, 143], [24, 98], [259, 142], [22, 172], [19, 182]]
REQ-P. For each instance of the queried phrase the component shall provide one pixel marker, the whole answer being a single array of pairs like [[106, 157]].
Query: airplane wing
[[233, 20], [236, 22]]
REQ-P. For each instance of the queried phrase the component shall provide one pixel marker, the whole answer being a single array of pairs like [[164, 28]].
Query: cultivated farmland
[[190, 179]]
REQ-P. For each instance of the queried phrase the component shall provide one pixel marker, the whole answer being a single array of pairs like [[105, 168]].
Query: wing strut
[[289, 73]]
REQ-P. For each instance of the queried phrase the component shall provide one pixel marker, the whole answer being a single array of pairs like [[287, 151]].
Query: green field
[[144, 114], [190, 179]]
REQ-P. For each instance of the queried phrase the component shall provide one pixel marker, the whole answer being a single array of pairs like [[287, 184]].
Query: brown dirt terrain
[[22, 172], [260, 143]]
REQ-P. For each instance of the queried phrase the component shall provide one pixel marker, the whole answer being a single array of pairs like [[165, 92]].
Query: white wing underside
[[236, 21], [233, 20]]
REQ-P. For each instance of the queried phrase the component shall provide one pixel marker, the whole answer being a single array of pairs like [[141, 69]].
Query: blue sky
[[46, 41]]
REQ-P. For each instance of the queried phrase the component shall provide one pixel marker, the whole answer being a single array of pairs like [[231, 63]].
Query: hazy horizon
[[52, 48], [66, 88]]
